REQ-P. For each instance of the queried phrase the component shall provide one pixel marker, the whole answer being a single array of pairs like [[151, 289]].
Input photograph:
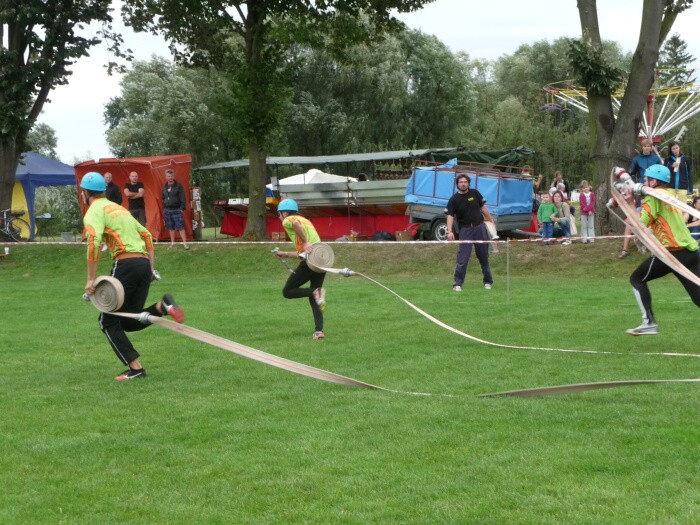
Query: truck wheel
[[438, 230]]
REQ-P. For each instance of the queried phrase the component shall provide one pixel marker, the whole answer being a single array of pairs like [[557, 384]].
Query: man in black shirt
[[135, 191], [469, 207], [113, 192], [174, 203]]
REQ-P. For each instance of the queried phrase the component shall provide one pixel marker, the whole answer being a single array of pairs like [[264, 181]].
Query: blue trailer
[[508, 195]]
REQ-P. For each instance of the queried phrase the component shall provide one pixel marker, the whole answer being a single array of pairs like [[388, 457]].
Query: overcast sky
[[483, 29]]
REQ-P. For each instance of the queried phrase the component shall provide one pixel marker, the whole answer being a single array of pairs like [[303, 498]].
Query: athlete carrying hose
[[304, 236], [131, 247]]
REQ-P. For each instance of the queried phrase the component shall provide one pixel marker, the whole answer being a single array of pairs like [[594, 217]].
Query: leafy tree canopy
[[39, 41]]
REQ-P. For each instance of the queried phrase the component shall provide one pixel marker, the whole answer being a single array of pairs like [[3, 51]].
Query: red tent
[[151, 172]]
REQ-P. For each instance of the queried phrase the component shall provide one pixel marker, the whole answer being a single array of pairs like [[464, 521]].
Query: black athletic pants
[[292, 289], [653, 268], [135, 276]]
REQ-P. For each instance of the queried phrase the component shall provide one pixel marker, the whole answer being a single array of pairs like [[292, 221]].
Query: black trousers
[[135, 276], [653, 268], [292, 289]]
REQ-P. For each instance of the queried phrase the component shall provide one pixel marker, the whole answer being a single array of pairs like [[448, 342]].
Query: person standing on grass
[[304, 236], [113, 192], [174, 204], [639, 165], [681, 176], [134, 192], [469, 208], [544, 217], [587, 209], [131, 247], [668, 226]]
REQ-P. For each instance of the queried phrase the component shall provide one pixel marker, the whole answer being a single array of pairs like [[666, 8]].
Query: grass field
[[211, 437]]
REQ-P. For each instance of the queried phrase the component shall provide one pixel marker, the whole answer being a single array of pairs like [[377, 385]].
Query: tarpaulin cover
[[433, 186], [151, 171], [503, 157], [35, 170]]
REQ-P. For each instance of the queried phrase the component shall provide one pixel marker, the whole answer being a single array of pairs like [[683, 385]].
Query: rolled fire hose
[[320, 258]]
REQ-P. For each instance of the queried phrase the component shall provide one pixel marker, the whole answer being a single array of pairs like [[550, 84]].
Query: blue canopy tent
[[33, 171]]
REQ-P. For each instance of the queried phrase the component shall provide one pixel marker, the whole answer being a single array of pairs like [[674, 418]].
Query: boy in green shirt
[[544, 217]]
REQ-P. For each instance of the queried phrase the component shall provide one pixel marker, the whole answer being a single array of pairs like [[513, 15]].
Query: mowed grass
[[212, 437]]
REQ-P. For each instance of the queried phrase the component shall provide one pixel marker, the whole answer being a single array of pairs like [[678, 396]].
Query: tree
[[165, 109], [42, 140], [38, 44], [251, 40], [405, 91], [612, 140], [674, 62]]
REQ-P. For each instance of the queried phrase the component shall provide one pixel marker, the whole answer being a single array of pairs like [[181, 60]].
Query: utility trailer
[[508, 195]]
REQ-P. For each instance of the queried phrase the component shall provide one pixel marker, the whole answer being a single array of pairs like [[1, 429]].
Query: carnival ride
[[675, 103]]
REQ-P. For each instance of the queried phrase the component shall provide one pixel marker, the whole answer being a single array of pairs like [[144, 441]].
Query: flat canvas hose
[[346, 272], [109, 293], [567, 389]]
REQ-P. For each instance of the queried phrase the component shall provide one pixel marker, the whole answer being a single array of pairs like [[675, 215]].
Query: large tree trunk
[[613, 140], [9, 159], [255, 229]]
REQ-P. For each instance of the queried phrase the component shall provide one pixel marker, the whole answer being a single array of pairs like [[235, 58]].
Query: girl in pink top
[[587, 201]]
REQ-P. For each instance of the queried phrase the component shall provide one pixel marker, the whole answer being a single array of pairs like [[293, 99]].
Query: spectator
[[469, 208], [559, 184], [174, 204], [544, 217], [134, 192], [587, 208], [113, 192], [693, 223], [643, 161], [639, 165], [562, 217], [681, 176]]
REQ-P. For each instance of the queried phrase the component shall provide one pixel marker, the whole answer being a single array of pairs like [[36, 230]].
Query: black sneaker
[[131, 373], [171, 308]]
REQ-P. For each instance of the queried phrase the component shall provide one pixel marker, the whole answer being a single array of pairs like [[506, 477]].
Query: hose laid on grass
[[346, 272], [109, 295], [567, 389]]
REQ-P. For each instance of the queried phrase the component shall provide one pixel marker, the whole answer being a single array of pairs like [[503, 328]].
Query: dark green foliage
[[675, 62], [593, 69]]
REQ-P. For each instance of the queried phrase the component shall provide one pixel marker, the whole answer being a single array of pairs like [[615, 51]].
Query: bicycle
[[12, 227]]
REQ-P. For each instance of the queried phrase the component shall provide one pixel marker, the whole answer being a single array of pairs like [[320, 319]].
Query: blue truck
[[508, 195]]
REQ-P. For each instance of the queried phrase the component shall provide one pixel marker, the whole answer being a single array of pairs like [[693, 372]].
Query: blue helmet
[[93, 181], [658, 172], [288, 205]]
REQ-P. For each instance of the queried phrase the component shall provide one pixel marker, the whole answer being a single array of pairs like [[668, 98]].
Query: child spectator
[[544, 217], [561, 217], [587, 201]]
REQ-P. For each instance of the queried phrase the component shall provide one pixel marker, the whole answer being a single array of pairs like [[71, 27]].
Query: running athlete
[[668, 226], [131, 247], [304, 236]]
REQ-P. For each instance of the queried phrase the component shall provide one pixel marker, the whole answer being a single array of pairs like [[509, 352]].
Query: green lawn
[[211, 437]]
